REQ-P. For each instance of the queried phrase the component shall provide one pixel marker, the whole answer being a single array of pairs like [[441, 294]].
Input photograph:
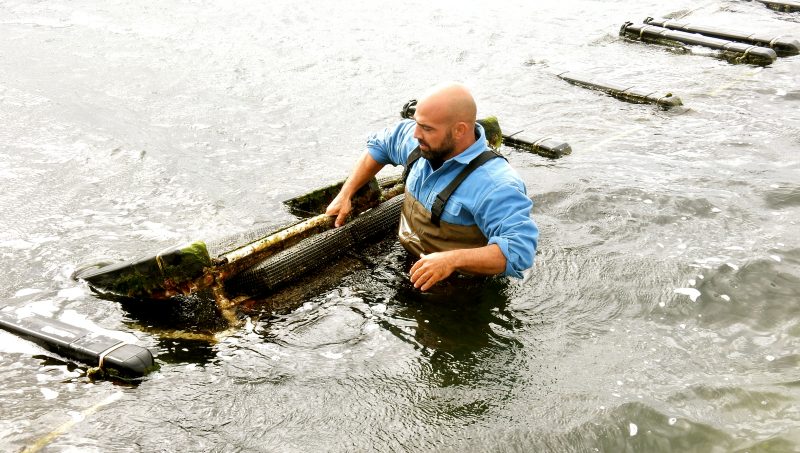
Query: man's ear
[[461, 128]]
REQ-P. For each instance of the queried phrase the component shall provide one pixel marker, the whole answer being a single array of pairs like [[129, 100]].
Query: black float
[[782, 45], [545, 147], [109, 355], [734, 51], [787, 6], [624, 92]]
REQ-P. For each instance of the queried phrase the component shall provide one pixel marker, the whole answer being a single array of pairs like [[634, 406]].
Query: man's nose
[[417, 132]]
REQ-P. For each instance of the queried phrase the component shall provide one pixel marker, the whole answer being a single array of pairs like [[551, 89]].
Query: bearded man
[[465, 209]]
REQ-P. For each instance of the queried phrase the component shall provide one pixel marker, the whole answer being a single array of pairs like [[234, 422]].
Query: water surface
[[661, 314]]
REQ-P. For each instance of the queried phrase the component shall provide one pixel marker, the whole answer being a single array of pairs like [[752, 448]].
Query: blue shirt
[[493, 197]]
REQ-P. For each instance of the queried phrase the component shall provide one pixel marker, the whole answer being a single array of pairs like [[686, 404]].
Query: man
[[484, 226]]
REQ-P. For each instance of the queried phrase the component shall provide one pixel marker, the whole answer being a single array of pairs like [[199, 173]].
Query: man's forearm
[[488, 260], [435, 267], [366, 168]]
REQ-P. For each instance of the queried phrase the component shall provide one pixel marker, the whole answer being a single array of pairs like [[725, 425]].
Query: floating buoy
[[735, 51], [108, 354], [623, 92], [787, 6], [783, 46], [545, 147]]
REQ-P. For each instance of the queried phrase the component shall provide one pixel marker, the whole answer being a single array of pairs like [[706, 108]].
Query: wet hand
[[431, 269], [340, 207]]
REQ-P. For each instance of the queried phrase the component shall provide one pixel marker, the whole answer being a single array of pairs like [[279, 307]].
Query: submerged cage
[[278, 254]]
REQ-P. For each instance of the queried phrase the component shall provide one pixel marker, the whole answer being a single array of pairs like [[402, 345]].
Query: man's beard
[[436, 156]]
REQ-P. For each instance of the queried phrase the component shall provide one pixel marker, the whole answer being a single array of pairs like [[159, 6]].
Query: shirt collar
[[476, 148]]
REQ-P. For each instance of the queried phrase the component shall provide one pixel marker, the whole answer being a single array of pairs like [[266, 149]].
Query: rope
[[744, 55], [109, 351]]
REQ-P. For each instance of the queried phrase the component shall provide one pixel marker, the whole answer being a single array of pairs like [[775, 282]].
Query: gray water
[[661, 314]]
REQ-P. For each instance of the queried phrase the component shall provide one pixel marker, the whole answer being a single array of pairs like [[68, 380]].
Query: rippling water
[[662, 314]]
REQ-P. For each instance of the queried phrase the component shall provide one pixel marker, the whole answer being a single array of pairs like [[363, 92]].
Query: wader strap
[[413, 157], [441, 199]]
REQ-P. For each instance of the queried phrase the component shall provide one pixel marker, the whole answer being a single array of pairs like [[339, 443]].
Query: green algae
[[172, 271], [494, 135]]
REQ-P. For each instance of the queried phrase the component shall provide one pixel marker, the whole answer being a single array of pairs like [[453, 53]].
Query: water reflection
[[468, 355], [760, 295], [195, 313], [185, 328], [179, 350], [456, 317]]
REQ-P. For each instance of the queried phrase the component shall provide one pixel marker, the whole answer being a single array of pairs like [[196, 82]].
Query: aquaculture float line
[[627, 93], [545, 146], [783, 46], [734, 51]]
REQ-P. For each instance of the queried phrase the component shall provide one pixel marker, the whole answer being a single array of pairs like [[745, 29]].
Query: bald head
[[445, 119], [451, 102]]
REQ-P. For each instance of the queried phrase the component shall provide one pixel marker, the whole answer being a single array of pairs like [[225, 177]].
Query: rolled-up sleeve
[[388, 145], [504, 215]]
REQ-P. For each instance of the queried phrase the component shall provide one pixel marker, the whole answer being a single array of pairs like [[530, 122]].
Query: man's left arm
[[504, 216], [434, 267]]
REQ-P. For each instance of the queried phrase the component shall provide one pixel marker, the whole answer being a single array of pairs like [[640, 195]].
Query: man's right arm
[[389, 146], [341, 206]]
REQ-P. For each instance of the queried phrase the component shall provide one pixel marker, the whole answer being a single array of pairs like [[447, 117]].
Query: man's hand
[[435, 267], [431, 269], [341, 206]]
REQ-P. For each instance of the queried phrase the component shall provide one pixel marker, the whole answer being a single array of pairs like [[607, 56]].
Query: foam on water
[[48, 394], [11, 344], [77, 319], [26, 292], [693, 293]]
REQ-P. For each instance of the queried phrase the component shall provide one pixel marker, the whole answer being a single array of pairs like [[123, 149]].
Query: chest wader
[[422, 231]]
